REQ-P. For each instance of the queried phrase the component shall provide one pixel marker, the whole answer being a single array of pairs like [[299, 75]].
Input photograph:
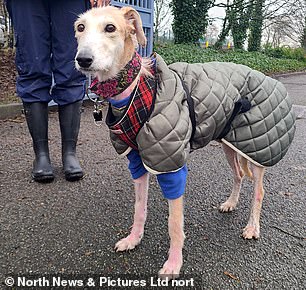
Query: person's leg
[[69, 88], [31, 24], [69, 118], [32, 34], [37, 120], [69, 84]]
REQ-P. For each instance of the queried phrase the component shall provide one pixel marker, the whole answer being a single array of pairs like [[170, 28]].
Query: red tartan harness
[[136, 113]]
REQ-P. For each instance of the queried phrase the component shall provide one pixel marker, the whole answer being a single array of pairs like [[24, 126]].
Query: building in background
[[146, 10]]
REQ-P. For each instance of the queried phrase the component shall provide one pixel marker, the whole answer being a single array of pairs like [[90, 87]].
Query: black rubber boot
[[37, 120], [69, 118]]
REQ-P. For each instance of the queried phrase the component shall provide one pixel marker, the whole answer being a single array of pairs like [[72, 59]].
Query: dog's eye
[[110, 28], [80, 27]]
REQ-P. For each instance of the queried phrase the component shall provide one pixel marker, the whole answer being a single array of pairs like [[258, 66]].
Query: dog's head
[[107, 38]]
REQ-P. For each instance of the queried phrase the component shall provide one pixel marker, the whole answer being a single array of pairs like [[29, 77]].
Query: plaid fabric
[[137, 112]]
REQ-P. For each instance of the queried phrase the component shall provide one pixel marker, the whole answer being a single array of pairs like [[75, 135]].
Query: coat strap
[[241, 106], [190, 103]]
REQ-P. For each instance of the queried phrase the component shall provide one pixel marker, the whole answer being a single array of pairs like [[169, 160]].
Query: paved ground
[[296, 85], [70, 228]]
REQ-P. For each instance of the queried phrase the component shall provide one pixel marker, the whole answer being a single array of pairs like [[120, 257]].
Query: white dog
[[106, 44]]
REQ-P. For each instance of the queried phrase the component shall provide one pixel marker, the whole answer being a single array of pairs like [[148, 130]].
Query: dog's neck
[[123, 84], [126, 93]]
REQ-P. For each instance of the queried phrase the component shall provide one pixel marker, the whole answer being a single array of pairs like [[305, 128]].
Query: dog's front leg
[[172, 266], [141, 197]]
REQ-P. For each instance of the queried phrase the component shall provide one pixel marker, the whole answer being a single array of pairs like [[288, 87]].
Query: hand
[[99, 3]]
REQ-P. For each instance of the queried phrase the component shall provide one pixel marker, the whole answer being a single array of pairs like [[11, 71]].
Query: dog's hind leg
[[245, 167], [172, 266], [141, 197], [232, 158], [252, 230]]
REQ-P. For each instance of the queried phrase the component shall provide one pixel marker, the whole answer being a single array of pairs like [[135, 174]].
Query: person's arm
[[99, 3]]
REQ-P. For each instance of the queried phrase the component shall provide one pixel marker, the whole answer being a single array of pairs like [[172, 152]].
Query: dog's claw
[[250, 232], [170, 270], [228, 206], [128, 243]]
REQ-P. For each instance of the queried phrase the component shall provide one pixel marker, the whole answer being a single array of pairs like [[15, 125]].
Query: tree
[[236, 21], [256, 25], [241, 15], [161, 16], [281, 21], [276, 32], [284, 21], [226, 27], [6, 25], [190, 19], [303, 37]]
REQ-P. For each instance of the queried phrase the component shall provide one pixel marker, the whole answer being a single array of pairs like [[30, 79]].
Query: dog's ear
[[133, 18]]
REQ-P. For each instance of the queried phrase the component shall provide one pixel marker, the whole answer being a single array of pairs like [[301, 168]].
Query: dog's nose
[[84, 60]]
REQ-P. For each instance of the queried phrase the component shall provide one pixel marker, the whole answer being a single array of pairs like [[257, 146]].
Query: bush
[[256, 60], [285, 52]]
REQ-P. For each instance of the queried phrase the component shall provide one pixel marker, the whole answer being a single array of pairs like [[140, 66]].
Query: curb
[[300, 111], [284, 75], [10, 111]]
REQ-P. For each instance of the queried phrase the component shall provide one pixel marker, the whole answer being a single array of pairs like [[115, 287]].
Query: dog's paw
[[250, 232], [228, 206], [128, 243], [171, 269]]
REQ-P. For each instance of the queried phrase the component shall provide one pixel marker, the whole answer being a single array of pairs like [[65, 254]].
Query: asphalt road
[[296, 85], [70, 229]]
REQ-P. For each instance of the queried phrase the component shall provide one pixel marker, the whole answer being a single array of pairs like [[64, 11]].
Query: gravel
[[71, 228]]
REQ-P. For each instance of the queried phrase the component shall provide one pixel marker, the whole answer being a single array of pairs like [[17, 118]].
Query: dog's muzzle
[[84, 59]]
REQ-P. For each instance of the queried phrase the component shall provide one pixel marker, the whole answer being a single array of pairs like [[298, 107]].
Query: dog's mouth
[[88, 70], [94, 72]]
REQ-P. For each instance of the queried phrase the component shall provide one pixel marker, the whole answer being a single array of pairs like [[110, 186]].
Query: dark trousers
[[46, 48]]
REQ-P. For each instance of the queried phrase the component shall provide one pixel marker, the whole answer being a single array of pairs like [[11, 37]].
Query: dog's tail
[[245, 167]]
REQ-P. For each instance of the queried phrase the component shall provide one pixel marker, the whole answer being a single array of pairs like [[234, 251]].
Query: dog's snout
[[84, 59]]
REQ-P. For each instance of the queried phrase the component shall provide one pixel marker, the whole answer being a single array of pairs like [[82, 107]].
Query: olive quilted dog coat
[[262, 134]]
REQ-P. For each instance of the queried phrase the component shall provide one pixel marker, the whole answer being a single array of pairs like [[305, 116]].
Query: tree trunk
[[303, 38], [226, 27], [241, 16], [256, 24]]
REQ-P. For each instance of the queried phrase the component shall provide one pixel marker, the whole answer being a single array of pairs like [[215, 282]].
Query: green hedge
[[256, 60], [285, 52]]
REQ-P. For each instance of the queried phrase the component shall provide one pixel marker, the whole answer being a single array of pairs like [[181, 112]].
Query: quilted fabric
[[263, 133], [164, 140]]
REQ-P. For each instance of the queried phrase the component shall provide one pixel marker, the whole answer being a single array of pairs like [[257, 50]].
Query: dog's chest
[[127, 122]]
